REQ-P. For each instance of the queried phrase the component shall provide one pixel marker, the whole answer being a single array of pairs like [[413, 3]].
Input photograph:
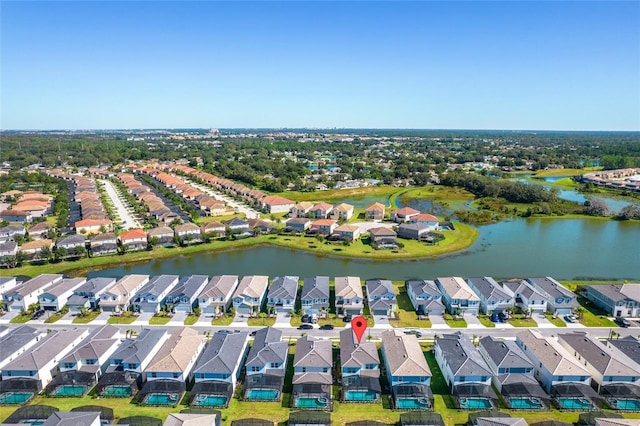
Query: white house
[[58, 294], [282, 293], [381, 296], [177, 357], [184, 296], [250, 293], [22, 296], [18, 341], [215, 298], [152, 296], [349, 296], [118, 296]]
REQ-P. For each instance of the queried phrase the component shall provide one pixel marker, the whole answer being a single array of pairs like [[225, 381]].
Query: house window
[[325, 369], [304, 369], [274, 365], [176, 375], [154, 374]]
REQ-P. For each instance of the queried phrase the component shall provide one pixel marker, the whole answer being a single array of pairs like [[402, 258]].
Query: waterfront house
[[282, 294], [32, 249], [22, 296], [383, 238], [187, 233], [17, 341], [133, 240], [526, 298], [102, 244], [237, 225], [8, 248], [312, 376], [16, 216], [426, 219], [425, 297], [216, 295], [214, 229], [381, 296], [57, 296], [70, 242], [39, 362], [457, 296], [492, 297], [414, 231], [300, 210], [360, 369], [348, 232], [320, 211], [117, 298], [404, 214], [460, 362], [266, 365], [7, 283], [407, 371], [184, 296], [248, 297], [177, 356], [342, 211], [87, 296], [348, 296], [163, 234], [315, 295], [509, 365], [259, 226], [92, 226], [324, 226], [276, 204], [223, 358], [8, 233], [152, 296], [374, 211], [298, 224], [560, 300], [553, 364], [617, 300]]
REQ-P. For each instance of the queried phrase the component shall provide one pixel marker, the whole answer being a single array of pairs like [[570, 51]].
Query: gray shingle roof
[[315, 288], [601, 357], [553, 357], [188, 286], [45, 350], [419, 287], [285, 287], [95, 285], [222, 353], [489, 288], [551, 287], [219, 286], [60, 418], [628, 345], [267, 348], [377, 288], [64, 286], [462, 357], [138, 349], [16, 339], [353, 354], [312, 352], [403, 354], [505, 353]]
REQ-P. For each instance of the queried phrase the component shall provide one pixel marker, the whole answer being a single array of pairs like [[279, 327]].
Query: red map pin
[[359, 325]]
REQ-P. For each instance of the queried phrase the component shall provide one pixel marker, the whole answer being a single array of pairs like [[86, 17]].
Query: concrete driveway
[[382, 322], [128, 221], [178, 318], [437, 321], [473, 321], [283, 320], [542, 321]]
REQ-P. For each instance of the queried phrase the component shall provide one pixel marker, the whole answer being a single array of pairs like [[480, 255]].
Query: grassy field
[[337, 195], [454, 198], [565, 172]]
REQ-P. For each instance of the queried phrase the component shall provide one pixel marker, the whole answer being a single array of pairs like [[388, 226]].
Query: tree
[[45, 253], [580, 310], [596, 207], [60, 253], [79, 251], [629, 212]]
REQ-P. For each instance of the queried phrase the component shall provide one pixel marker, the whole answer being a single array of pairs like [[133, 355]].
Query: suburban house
[[164, 235], [360, 368], [250, 294], [92, 226], [408, 373], [348, 232], [39, 362], [492, 297], [300, 210], [10, 231], [276, 204], [553, 364], [404, 214], [375, 211], [261, 226], [425, 297], [315, 295], [16, 216], [215, 229], [298, 224], [560, 300], [426, 219], [177, 356], [40, 230], [152, 296], [7, 283], [73, 418], [184, 296], [188, 233], [464, 370], [87, 296], [117, 298], [348, 295], [70, 242], [324, 226], [8, 248], [383, 237], [282, 294], [618, 300], [526, 298], [381, 296], [181, 419], [17, 341], [320, 211], [342, 211], [33, 249], [23, 295], [266, 365], [134, 239], [457, 296], [216, 296], [211, 207], [607, 365], [57, 296], [312, 375], [102, 244], [414, 231]]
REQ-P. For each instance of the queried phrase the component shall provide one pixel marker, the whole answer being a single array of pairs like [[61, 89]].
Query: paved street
[[240, 208], [128, 221]]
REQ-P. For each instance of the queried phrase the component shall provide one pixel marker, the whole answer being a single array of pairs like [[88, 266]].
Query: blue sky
[[443, 65]]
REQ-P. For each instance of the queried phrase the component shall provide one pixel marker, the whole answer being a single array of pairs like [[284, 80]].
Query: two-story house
[[457, 296], [118, 297], [312, 376], [266, 366], [71, 242], [374, 211], [153, 295], [342, 211], [407, 371], [425, 297], [381, 296], [162, 236], [315, 295], [301, 209], [525, 297], [298, 225], [282, 294], [250, 294], [7, 283], [184, 296], [87, 296], [102, 244], [560, 300], [23, 295], [320, 211], [618, 300], [56, 296], [492, 297], [188, 233], [360, 369], [324, 226], [404, 214], [216, 297], [347, 232], [177, 356], [18, 340], [348, 296], [133, 239]]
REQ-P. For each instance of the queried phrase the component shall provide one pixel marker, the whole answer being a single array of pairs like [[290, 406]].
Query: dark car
[[225, 332], [622, 322], [495, 317], [414, 332], [327, 327], [37, 314], [306, 318], [305, 326], [502, 317], [347, 318], [253, 333]]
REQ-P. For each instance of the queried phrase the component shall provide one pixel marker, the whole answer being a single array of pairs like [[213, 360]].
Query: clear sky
[[554, 65]]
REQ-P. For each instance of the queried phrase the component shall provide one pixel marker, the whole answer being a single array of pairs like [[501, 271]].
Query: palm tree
[[580, 310]]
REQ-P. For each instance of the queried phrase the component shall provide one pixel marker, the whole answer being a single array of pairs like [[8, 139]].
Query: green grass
[[450, 197], [557, 321], [565, 172], [159, 319], [333, 320], [335, 196], [55, 316], [407, 316], [486, 321], [87, 318], [592, 316], [261, 322], [223, 320], [21, 319], [126, 318], [452, 322], [191, 319], [518, 320]]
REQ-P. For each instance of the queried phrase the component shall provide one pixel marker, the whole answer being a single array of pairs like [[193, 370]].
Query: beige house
[[342, 211], [118, 297], [348, 232], [375, 212]]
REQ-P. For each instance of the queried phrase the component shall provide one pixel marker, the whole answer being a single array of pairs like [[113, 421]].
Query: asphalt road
[[128, 221], [249, 212]]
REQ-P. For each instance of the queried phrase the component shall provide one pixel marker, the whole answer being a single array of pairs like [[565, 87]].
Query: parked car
[[569, 318], [305, 326], [306, 318], [495, 317], [414, 332], [622, 322], [327, 327], [347, 318], [37, 314], [502, 317]]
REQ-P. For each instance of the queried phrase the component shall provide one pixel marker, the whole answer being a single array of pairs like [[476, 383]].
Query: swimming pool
[[210, 400], [412, 403], [69, 390], [526, 403], [15, 397], [360, 395], [313, 403], [625, 404], [117, 391], [474, 403], [162, 399], [262, 394], [575, 403]]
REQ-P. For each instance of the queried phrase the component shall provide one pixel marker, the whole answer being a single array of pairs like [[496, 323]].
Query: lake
[[562, 248]]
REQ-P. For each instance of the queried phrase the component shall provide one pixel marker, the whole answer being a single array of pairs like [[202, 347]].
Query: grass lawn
[[518, 320], [87, 318], [335, 196], [191, 319], [557, 321], [407, 316], [452, 322], [159, 320], [223, 320], [261, 322], [486, 321], [55, 317], [592, 316], [21, 319], [565, 172], [127, 318], [333, 319], [454, 198]]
